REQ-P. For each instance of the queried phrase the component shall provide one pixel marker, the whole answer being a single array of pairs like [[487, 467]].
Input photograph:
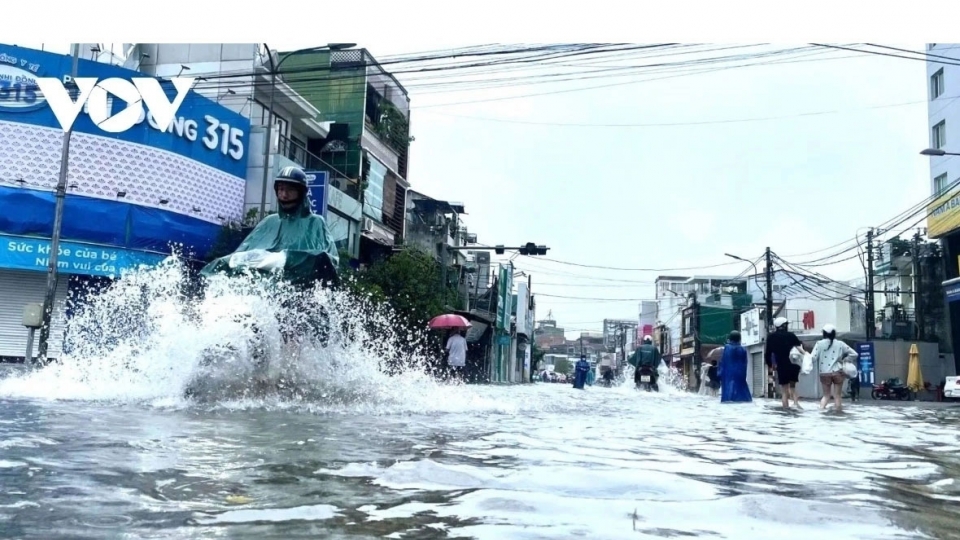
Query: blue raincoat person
[[580, 375], [733, 372], [591, 377]]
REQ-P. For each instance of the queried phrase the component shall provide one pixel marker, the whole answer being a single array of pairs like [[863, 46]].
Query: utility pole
[[267, 136], [443, 255], [769, 279], [695, 322], [53, 256], [871, 324], [917, 280], [465, 282]]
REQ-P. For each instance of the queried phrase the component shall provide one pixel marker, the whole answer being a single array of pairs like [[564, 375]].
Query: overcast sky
[[681, 195], [740, 164]]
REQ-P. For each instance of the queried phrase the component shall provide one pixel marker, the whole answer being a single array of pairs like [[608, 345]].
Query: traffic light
[[532, 249], [499, 249]]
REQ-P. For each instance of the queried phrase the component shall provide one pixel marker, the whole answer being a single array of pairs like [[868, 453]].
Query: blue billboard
[[202, 130], [143, 190], [867, 363], [318, 192]]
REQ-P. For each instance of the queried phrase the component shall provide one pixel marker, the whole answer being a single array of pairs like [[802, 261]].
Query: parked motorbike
[[644, 380], [891, 389]]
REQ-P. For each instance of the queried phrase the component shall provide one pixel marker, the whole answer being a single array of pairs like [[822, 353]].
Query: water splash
[[243, 342]]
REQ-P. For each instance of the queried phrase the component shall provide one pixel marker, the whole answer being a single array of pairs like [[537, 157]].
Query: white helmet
[[780, 321], [829, 329], [647, 339]]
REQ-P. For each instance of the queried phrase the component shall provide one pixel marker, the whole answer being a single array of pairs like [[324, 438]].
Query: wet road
[[541, 461]]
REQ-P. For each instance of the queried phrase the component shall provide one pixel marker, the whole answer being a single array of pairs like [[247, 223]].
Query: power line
[[887, 225], [678, 124], [924, 53], [864, 51], [621, 269]]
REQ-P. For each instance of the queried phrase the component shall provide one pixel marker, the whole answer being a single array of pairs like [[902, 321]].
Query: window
[[373, 195], [939, 139], [339, 231], [940, 184], [936, 84]]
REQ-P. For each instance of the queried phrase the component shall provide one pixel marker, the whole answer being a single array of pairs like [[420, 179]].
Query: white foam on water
[[144, 340]]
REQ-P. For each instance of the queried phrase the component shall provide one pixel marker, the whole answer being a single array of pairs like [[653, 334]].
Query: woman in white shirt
[[829, 353]]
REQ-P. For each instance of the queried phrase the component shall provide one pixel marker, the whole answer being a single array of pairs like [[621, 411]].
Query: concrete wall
[[893, 358]]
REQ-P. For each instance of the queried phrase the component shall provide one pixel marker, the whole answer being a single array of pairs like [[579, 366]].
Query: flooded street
[[540, 461], [107, 444]]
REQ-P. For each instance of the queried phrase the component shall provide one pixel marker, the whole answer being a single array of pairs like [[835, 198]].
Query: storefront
[[943, 224], [132, 197]]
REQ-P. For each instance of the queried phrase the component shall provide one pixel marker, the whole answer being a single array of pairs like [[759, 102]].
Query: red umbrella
[[449, 320]]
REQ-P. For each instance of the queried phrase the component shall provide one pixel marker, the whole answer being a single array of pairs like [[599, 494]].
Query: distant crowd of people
[[784, 353]]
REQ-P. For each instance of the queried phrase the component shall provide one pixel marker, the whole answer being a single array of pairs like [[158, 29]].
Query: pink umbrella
[[449, 320]]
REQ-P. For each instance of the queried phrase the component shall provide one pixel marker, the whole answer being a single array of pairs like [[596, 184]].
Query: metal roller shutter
[[759, 386], [17, 289]]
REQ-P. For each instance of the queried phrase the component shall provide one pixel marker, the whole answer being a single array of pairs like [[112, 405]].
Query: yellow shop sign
[[944, 214]]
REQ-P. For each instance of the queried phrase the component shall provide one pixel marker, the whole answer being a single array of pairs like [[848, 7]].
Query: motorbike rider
[[608, 377], [648, 360], [309, 253]]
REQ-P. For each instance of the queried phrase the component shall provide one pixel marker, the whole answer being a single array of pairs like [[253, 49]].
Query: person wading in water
[[777, 353]]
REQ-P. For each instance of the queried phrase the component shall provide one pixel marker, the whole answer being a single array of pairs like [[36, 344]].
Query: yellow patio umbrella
[[914, 376]]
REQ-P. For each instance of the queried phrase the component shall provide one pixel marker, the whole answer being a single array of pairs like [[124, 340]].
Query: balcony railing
[[311, 162]]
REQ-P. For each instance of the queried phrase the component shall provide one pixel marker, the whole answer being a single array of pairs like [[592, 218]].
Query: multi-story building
[[436, 227], [369, 138], [943, 219], [239, 77], [673, 296]]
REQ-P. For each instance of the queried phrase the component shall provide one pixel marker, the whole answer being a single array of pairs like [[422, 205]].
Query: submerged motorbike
[[299, 269], [891, 389], [645, 379]]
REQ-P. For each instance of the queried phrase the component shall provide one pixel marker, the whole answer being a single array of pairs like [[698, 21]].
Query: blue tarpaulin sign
[[75, 258], [318, 192], [867, 362]]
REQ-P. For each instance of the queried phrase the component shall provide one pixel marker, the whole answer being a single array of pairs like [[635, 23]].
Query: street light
[[751, 263], [273, 87], [936, 152], [755, 270]]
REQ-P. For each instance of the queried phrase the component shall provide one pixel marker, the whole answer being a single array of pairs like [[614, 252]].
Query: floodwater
[[106, 446]]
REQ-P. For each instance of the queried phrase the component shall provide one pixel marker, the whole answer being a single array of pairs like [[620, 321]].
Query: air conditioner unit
[[366, 225]]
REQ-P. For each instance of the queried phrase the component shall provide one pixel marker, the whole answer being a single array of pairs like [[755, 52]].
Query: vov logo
[[135, 92]]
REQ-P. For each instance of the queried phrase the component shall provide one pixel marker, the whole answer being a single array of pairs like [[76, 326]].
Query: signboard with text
[[318, 191], [750, 328], [867, 362], [74, 258]]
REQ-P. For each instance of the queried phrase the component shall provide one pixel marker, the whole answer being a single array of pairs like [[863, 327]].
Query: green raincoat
[[302, 237], [647, 355]]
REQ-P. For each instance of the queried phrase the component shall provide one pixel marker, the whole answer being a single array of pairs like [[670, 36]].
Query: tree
[[409, 281], [562, 365]]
